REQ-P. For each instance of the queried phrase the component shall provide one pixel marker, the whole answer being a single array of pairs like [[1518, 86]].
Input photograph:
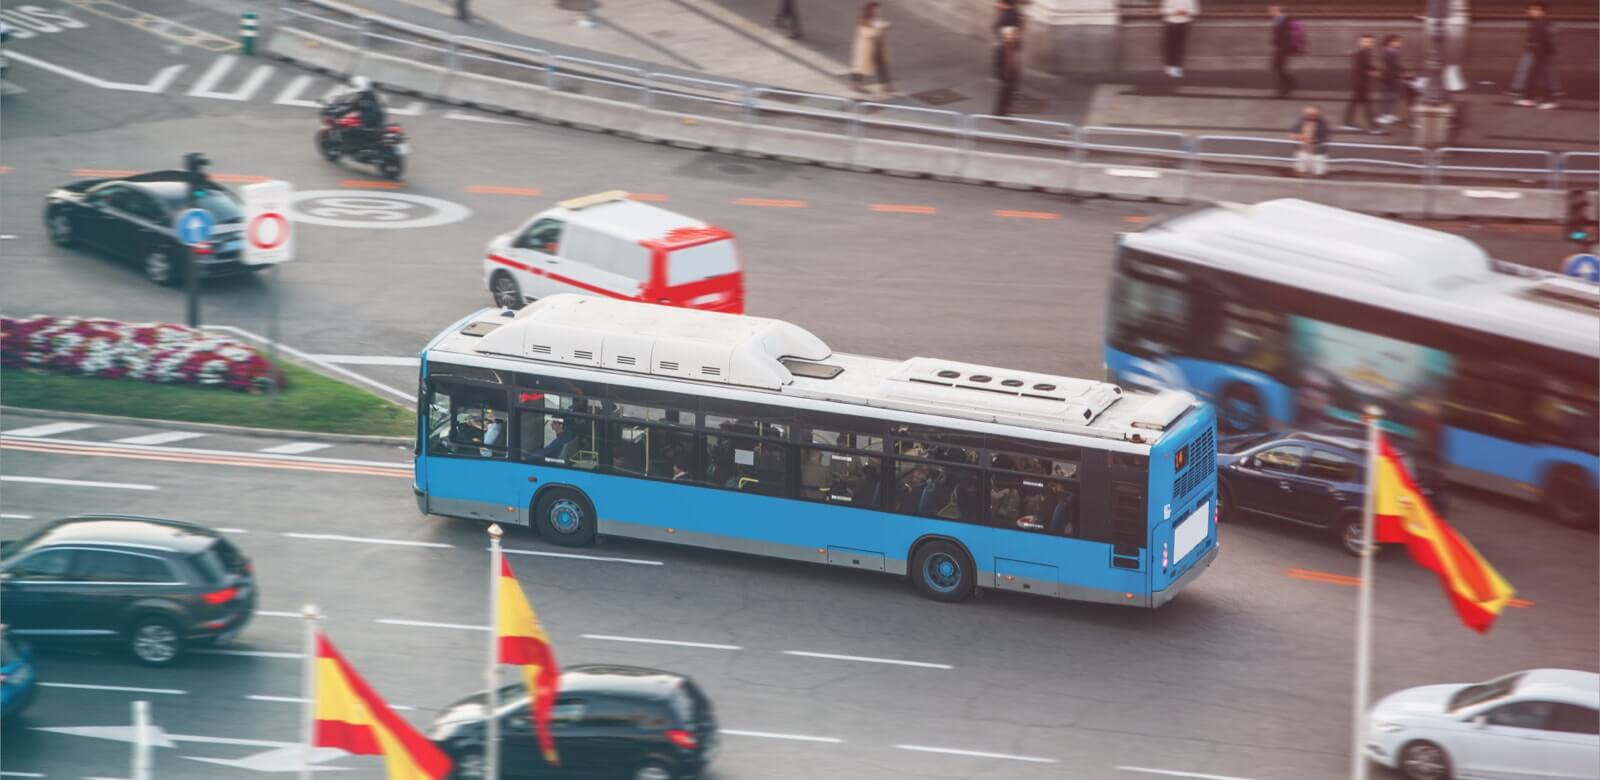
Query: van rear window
[[691, 264]]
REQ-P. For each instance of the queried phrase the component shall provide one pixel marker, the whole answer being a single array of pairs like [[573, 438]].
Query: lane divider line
[[5, 169], [241, 454], [774, 735], [295, 448], [371, 184], [1342, 579], [868, 659], [364, 540], [208, 457], [232, 531], [14, 516], [491, 189], [121, 688], [300, 700], [1011, 214], [902, 208], [14, 773], [430, 624], [77, 483], [246, 653], [1176, 773], [772, 203], [581, 557], [488, 120], [274, 613], [672, 642], [977, 754]]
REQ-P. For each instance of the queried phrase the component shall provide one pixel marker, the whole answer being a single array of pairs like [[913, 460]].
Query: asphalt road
[[1246, 675]]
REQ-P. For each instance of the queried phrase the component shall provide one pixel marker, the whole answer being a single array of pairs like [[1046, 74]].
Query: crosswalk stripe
[[296, 448], [50, 429], [206, 86], [166, 437]]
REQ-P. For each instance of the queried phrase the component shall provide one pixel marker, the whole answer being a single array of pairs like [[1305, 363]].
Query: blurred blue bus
[[1291, 314], [583, 415]]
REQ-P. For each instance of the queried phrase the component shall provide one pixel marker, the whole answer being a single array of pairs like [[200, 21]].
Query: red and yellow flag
[[351, 716], [524, 643], [1476, 590]]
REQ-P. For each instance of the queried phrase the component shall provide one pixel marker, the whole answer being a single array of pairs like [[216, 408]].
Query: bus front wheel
[[943, 571], [1569, 497], [564, 517]]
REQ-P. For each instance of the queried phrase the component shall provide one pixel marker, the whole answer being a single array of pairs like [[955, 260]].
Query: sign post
[[194, 231]]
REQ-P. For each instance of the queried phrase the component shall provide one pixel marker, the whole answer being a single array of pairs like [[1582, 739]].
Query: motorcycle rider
[[365, 102]]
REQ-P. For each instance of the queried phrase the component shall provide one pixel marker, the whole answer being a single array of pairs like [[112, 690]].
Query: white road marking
[[78, 483], [283, 759], [1176, 773], [247, 455], [89, 687], [10, 773], [371, 360], [10, 516], [408, 398], [867, 659], [232, 531], [577, 556], [415, 109], [977, 754], [156, 85], [166, 437], [771, 735], [427, 624], [271, 613], [673, 642], [299, 700], [290, 94], [295, 448], [248, 653], [50, 429], [488, 120], [205, 87], [364, 540]]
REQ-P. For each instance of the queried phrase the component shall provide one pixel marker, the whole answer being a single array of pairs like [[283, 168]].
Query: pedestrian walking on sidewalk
[[1008, 69], [869, 54], [1284, 45], [1176, 16], [1394, 87], [1538, 48], [1363, 70], [1311, 130], [788, 18], [1539, 27]]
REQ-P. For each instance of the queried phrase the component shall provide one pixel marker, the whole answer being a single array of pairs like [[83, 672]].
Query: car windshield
[[1477, 694], [222, 205]]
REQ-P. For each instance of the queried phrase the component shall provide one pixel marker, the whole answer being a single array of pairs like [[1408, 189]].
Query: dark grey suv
[[152, 585]]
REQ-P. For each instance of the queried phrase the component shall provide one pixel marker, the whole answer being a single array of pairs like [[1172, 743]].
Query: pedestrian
[[1363, 69], [869, 55], [462, 12], [1007, 68], [1176, 16], [1282, 38], [1538, 47], [788, 18], [1007, 13], [1393, 84], [1539, 26], [1311, 130]]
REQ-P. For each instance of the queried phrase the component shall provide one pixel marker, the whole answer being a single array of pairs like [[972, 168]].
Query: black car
[[608, 722], [1316, 479], [132, 219], [152, 585]]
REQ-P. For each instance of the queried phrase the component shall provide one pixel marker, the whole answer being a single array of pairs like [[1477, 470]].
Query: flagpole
[[491, 748], [1358, 760], [141, 743], [308, 687]]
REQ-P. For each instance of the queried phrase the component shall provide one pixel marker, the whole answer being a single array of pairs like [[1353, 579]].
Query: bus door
[[467, 471], [1123, 521]]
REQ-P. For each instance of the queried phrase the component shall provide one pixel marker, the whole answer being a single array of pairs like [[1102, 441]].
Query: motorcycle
[[341, 135]]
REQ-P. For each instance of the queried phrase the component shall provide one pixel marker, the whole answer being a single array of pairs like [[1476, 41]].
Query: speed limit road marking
[[384, 211]]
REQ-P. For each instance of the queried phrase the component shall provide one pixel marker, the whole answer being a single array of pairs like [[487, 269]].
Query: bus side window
[[439, 419]]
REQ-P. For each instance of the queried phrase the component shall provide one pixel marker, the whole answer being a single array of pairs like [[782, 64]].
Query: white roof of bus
[[1402, 267], [626, 219], [728, 355]]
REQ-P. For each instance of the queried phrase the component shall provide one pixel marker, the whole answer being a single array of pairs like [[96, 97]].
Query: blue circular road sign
[[194, 226], [1584, 265]]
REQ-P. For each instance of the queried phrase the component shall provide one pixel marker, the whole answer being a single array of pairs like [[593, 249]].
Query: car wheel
[[943, 571], [1350, 533], [652, 770], [1226, 512], [159, 268], [1240, 409], [470, 764], [1569, 497], [507, 295], [327, 146], [564, 517], [155, 641], [61, 231], [1424, 761]]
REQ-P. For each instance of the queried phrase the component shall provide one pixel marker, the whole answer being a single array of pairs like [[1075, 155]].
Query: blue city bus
[[581, 416], [1290, 314]]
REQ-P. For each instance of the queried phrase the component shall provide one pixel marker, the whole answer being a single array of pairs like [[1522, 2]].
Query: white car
[[1539, 723]]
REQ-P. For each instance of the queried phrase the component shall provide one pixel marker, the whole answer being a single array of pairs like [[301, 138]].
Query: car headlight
[[1387, 727]]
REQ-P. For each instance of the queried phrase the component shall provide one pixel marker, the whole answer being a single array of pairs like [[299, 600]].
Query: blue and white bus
[[1291, 314], [582, 415]]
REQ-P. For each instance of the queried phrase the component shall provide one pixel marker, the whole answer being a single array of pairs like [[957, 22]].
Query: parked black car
[[608, 722], [1316, 479], [150, 584], [132, 219]]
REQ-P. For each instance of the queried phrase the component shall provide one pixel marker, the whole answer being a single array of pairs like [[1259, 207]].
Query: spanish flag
[[351, 716], [524, 643], [1476, 590]]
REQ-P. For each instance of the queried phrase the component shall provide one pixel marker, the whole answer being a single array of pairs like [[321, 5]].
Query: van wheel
[[1569, 497], [943, 571], [564, 517], [507, 295]]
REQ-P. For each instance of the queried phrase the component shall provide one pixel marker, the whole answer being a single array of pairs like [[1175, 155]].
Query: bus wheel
[[1570, 498], [564, 517], [942, 571], [1239, 409]]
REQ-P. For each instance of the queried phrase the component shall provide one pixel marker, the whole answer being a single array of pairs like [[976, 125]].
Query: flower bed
[[162, 353]]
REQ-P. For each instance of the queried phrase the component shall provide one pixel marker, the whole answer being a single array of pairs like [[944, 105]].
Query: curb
[[241, 430]]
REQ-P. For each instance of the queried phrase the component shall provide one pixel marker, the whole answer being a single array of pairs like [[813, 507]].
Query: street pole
[[1455, 38], [1358, 760], [308, 688], [272, 340], [194, 163], [141, 740], [1436, 114], [491, 748]]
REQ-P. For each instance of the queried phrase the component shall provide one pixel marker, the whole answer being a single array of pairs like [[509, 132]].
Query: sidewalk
[[934, 67]]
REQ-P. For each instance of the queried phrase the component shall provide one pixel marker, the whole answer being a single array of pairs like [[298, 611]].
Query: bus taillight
[[1164, 555]]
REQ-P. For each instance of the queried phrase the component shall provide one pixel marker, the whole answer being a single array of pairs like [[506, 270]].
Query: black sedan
[[132, 219], [1315, 479], [608, 721]]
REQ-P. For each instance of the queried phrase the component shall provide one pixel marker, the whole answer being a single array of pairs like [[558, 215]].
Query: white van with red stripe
[[608, 245]]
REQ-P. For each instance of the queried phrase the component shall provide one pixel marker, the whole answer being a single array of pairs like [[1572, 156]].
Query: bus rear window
[[691, 264]]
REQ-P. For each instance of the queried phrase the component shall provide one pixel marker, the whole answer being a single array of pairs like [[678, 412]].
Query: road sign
[[268, 233], [194, 226], [1584, 265]]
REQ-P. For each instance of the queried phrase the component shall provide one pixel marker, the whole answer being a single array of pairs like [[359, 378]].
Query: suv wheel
[[1351, 531], [155, 641], [652, 770]]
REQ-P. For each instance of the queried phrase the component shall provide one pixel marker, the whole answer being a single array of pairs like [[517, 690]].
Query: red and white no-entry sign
[[268, 233]]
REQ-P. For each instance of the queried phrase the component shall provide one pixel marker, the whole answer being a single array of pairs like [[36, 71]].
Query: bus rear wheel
[[1569, 498], [943, 571], [564, 517]]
